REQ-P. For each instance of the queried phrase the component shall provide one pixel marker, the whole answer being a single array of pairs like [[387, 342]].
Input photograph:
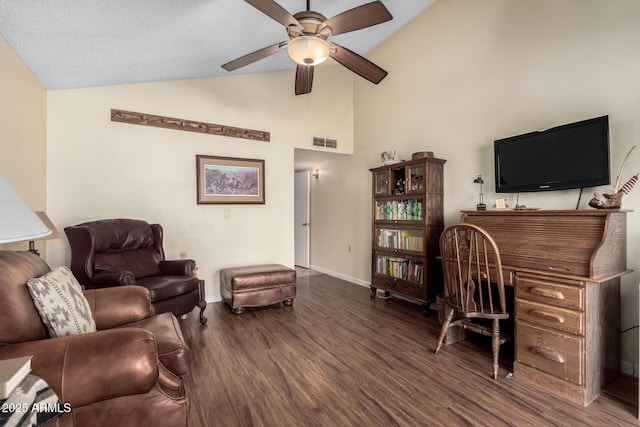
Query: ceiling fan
[[308, 43]]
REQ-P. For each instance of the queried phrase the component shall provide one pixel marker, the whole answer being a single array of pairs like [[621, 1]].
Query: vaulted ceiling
[[84, 43]]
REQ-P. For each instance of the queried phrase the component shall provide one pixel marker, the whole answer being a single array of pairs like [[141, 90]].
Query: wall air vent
[[324, 142]]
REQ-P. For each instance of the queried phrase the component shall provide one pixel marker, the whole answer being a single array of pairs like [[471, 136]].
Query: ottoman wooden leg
[[288, 302], [239, 310]]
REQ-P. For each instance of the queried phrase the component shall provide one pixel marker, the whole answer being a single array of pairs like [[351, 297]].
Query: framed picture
[[227, 180]]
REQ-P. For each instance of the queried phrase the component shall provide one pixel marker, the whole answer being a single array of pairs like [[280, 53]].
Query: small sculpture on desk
[[614, 200]]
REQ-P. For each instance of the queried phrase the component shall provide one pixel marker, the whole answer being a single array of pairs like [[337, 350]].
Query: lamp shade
[[308, 50], [17, 221]]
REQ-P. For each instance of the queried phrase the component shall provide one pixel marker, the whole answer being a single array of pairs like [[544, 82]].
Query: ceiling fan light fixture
[[308, 50]]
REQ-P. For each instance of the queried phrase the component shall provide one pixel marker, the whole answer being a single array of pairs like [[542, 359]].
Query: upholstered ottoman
[[257, 286]]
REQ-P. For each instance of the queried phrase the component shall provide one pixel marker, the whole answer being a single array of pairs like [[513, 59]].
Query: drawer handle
[[547, 353], [547, 293], [547, 316]]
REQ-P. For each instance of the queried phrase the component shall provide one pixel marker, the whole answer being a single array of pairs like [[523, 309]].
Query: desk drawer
[[550, 291], [555, 353], [548, 315]]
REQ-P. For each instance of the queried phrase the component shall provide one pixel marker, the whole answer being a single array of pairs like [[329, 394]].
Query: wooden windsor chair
[[473, 285]]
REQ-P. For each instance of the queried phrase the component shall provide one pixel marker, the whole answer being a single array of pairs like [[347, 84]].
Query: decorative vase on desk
[[613, 201]]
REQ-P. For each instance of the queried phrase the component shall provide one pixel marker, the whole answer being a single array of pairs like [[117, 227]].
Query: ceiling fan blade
[[253, 57], [358, 64], [276, 12], [304, 79], [359, 17]]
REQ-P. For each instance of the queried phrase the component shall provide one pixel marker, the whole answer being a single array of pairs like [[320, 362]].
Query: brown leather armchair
[[114, 252], [110, 377]]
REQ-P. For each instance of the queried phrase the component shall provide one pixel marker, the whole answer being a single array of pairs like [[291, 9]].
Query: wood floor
[[339, 358]]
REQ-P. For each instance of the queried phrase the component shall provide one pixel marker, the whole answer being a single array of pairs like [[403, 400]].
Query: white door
[[301, 218]]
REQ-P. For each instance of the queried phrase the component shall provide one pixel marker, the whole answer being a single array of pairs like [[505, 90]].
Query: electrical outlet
[[183, 255]]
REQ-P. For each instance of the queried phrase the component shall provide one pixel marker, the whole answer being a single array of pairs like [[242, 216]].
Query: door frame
[[302, 232]]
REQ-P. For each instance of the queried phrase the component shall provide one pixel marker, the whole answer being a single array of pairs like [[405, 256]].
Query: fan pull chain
[[308, 77]]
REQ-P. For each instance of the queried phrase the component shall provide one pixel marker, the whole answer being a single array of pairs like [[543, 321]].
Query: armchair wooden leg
[[202, 304]]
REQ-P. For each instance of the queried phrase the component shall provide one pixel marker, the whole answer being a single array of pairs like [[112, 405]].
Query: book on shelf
[[400, 239], [400, 268], [13, 372]]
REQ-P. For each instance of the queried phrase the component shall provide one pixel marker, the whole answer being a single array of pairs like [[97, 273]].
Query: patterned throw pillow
[[62, 306]]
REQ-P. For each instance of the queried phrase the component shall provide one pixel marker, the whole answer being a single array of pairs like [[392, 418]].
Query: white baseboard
[[358, 282], [341, 276], [215, 298]]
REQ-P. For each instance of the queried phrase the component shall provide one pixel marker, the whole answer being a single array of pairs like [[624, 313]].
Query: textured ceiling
[[84, 43]]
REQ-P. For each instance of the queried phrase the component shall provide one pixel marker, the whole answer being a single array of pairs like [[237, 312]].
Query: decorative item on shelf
[[421, 155], [399, 189], [614, 200], [416, 182], [481, 205], [390, 157]]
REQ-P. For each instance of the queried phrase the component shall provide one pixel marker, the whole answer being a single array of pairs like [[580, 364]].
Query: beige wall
[[465, 73], [23, 135], [461, 75], [102, 169]]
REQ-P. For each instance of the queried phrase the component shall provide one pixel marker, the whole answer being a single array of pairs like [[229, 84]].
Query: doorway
[[301, 218]]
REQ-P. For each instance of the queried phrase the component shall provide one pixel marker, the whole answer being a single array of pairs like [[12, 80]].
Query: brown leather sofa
[[110, 377], [114, 252]]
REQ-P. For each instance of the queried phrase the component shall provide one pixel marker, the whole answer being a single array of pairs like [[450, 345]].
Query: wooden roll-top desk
[[565, 266]]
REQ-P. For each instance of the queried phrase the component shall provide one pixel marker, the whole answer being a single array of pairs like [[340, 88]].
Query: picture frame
[[229, 180]]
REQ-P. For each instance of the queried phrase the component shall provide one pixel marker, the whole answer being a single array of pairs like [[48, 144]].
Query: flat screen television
[[574, 155]]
